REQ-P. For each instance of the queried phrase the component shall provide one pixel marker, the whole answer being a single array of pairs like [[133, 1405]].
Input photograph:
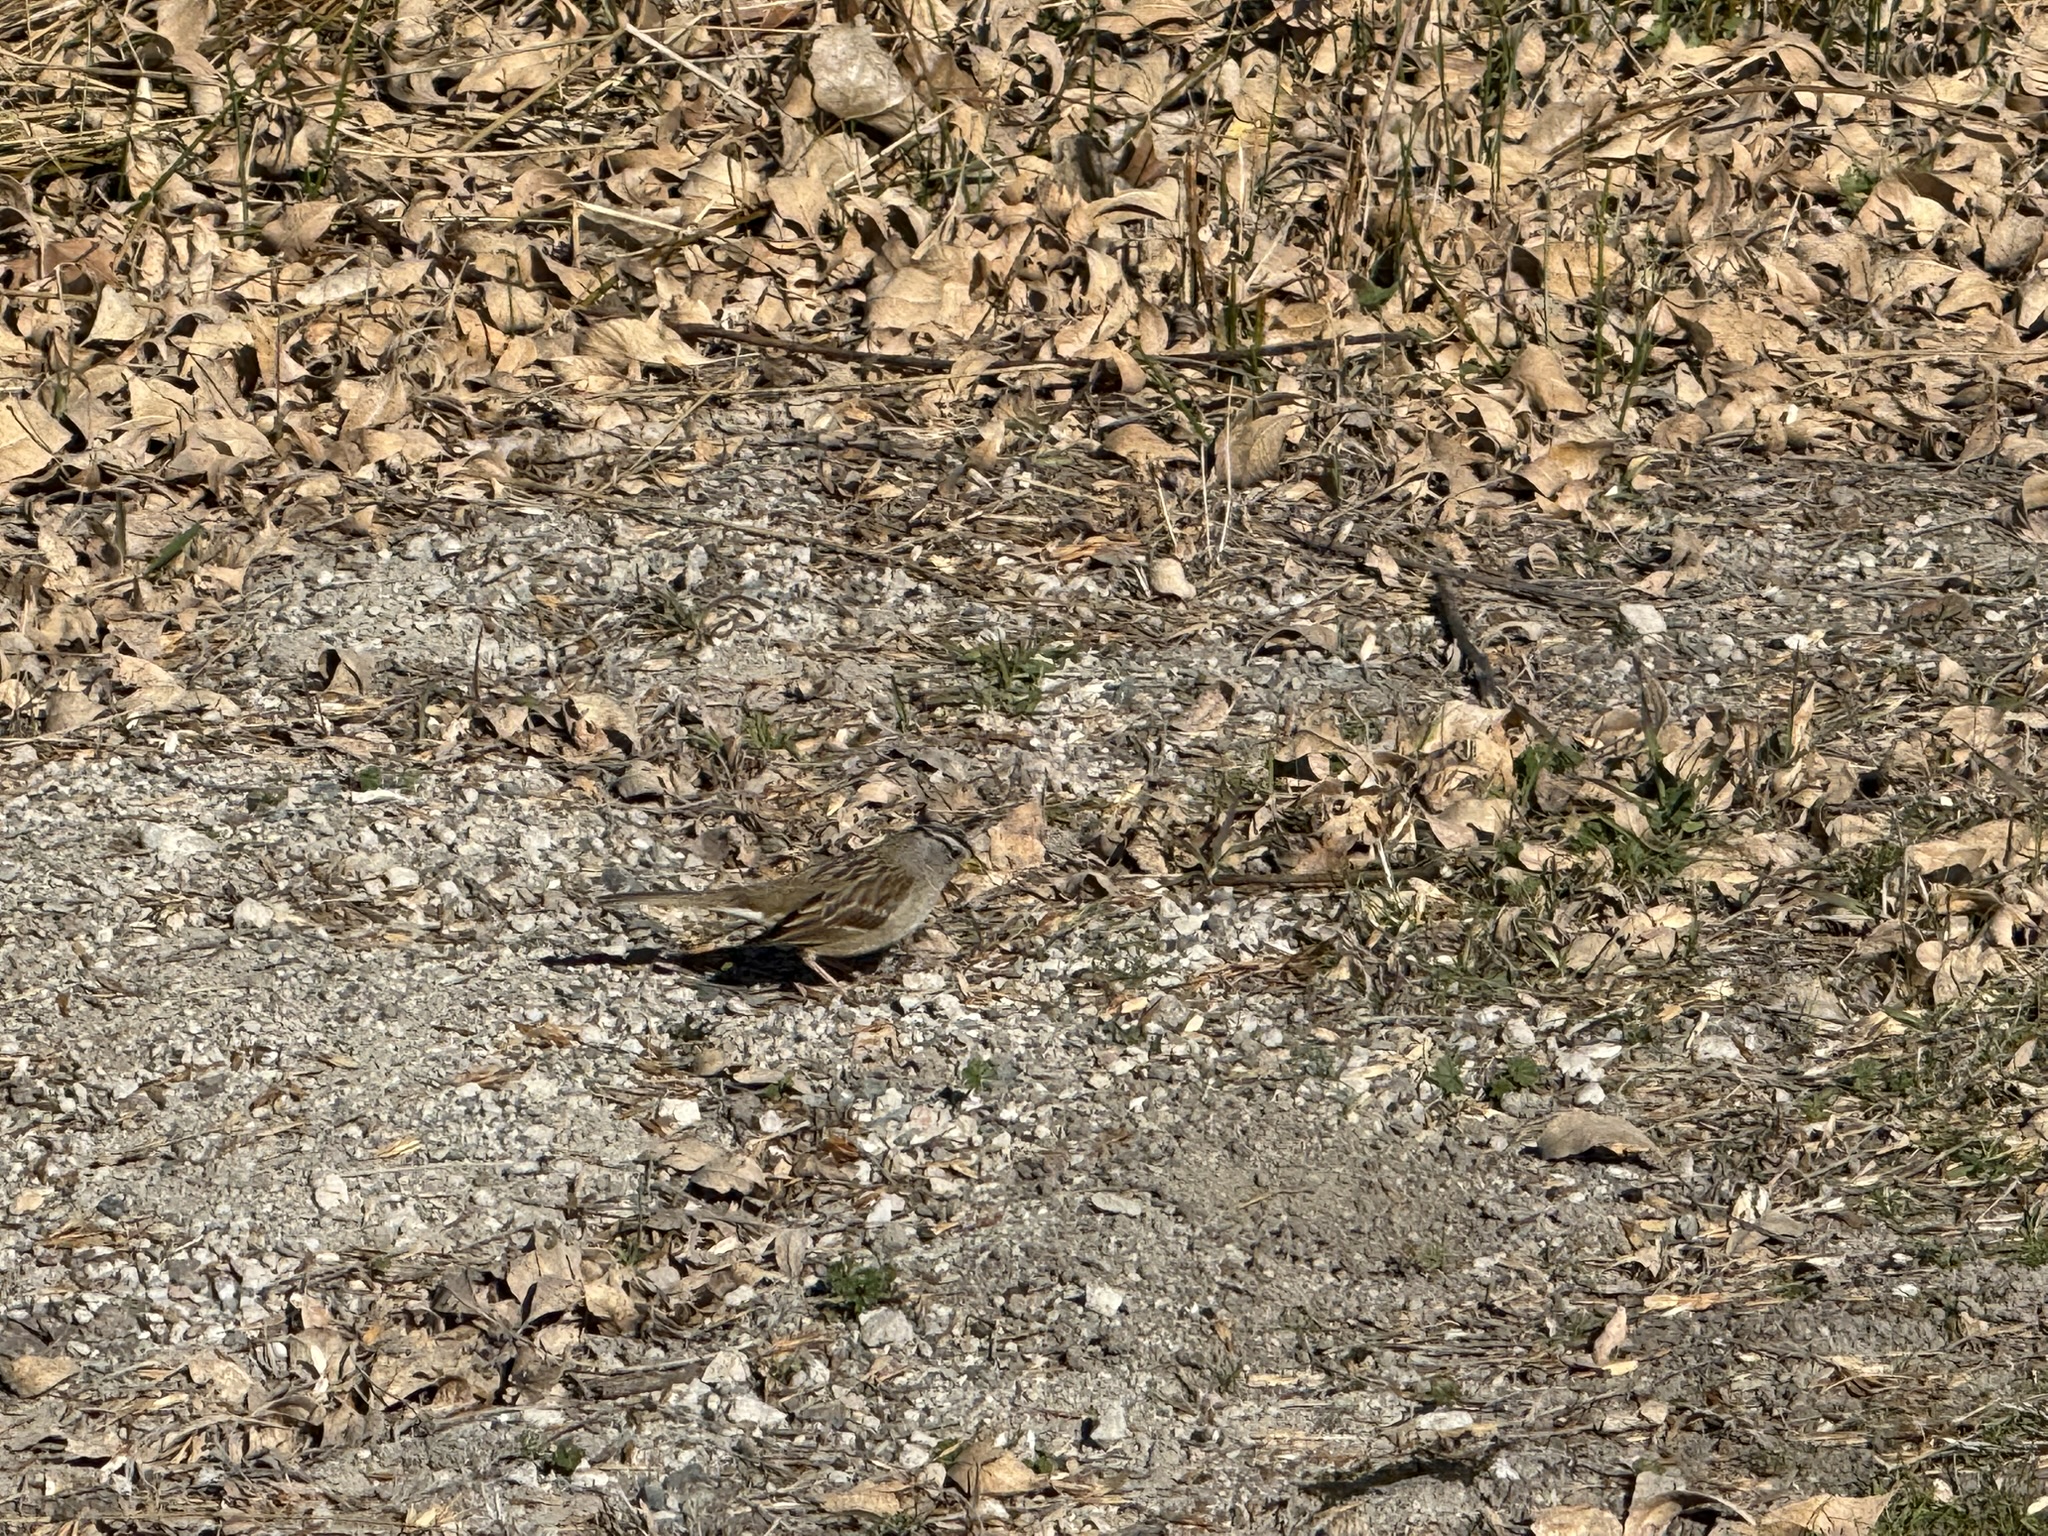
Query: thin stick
[[906, 363], [1478, 665]]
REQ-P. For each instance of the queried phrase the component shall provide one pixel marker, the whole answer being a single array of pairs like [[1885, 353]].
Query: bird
[[836, 907]]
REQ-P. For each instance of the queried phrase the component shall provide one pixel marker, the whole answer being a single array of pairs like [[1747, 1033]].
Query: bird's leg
[[818, 970]]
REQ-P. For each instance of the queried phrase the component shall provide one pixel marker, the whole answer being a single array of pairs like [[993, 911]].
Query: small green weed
[[854, 1286], [1428, 1258], [759, 731], [1538, 757], [556, 1458], [1855, 185], [1994, 1507], [1447, 1076], [1009, 675], [2030, 1247], [1518, 1074], [976, 1073]]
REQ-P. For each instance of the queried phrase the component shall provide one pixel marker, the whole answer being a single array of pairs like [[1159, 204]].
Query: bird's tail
[[658, 899]]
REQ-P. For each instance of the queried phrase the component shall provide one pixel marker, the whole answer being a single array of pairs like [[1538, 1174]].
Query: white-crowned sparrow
[[850, 904]]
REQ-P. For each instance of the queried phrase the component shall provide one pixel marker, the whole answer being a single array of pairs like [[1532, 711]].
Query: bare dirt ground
[[1182, 1176]]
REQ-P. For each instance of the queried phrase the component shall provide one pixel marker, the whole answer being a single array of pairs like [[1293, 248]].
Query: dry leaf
[[881, 1500], [853, 77], [1018, 840], [1578, 1131], [1613, 1334], [297, 229], [1169, 578], [1145, 448], [1251, 448], [1826, 1515], [1574, 1520], [1540, 372], [33, 1375]]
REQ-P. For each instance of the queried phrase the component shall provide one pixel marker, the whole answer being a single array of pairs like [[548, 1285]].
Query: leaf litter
[[269, 282]]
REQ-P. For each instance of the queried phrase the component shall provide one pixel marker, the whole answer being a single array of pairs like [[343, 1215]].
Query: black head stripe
[[955, 843]]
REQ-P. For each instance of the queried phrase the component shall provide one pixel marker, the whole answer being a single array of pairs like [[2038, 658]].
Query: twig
[[1478, 665], [908, 363], [1552, 594]]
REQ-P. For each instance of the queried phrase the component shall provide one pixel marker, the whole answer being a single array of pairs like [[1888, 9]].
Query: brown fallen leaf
[[1250, 449], [1169, 578], [1829, 1514], [879, 1499], [1574, 1520], [1578, 1131], [1140, 445], [33, 1375], [69, 708], [345, 672], [1612, 1335], [1018, 840], [1540, 372]]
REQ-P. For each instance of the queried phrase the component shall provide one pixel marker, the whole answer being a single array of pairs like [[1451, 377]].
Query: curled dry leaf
[[1540, 372], [1578, 1131], [1140, 445], [1018, 840], [641, 781], [1169, 578], [1829, 1514], [1574, 1520], [33, 1375], [1251, 448], [881, 1500], [345, 672], [68, 709], [1612, 1335], [853, 77]]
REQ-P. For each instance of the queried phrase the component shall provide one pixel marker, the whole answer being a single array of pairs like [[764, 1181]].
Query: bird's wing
[[863, 897]]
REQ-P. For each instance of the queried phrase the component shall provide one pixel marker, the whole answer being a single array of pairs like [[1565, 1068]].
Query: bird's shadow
[[751, 966]]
